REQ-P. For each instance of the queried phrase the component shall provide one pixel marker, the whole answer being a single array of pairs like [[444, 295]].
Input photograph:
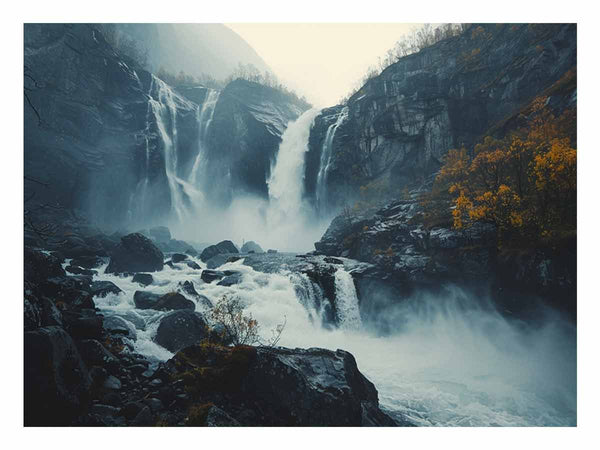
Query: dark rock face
[[181, 329], [173, 301], [251, 246], [145, 279], [401, 123], [188, 288], [178, 257], [135, 253], [145, 300], [220, 259], [405, 256], [208, 276], [221, 247], [279, 386], [244, 137], [103, 288], [57, 383], [230, 280], [40, 266]]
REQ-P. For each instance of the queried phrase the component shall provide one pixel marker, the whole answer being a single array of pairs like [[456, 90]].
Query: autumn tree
[[524, 183]]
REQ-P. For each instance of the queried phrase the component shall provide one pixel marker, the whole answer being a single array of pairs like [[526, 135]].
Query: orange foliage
[[524, 183]]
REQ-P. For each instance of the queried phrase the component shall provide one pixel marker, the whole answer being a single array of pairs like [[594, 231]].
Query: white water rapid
[[451, 362]]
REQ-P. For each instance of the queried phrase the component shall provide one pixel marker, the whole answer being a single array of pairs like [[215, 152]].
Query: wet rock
[[173, 301], [112, 382], [208, 276], [119, 326], [82, 326], [221, 247], [271, 251], [93, 353], [178, 257], [188, 288], [216, 417], [230, 280], [145, 299], [57, 382], [103, 288], [193, 265], [145, 279], [218, 260], [40, 266], [144, 418], [87, 262], [181, 329], [79, 271], [135, 253]]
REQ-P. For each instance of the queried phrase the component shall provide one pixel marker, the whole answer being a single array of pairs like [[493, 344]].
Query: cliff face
[[118, 145], [402, 122], [244, 137]]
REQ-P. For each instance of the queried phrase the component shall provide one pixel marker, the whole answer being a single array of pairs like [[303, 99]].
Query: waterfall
[[326, 159], [346, 301], [204, 117], [286, 184], [165, 114]]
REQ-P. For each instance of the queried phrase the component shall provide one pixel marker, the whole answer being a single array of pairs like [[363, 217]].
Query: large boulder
[[103, 288], [279, 386], [57, 382], [145, 300], [251, 247], [173, 301], [40, 266], [221, 247], [181, 329], [135, 253], [145, 279]]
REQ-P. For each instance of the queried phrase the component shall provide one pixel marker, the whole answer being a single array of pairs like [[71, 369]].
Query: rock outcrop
[[401, 123], [279, 386], [135, 253], [222, 247]]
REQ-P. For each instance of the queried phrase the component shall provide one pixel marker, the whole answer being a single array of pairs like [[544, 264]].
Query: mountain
[[208, 48]]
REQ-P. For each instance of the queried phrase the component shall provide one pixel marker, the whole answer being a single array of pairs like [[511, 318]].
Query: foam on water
[[451, 362]]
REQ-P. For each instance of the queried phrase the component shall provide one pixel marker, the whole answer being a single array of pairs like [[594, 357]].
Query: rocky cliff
[[115, 143], [401, 123]]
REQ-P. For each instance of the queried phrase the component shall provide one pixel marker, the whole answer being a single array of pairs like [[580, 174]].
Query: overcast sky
[[321, 61]]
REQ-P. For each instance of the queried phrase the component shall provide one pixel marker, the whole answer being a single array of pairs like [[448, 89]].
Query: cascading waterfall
[[165, 114], [325, 161], [204, 117], [346, 301], [286, 181]]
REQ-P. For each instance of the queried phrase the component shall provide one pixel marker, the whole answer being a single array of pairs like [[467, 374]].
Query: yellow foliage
[[525, 181]]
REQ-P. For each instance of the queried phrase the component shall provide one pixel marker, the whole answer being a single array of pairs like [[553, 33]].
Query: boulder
[[160, 234], [103, 288], [178, 257], [181, 329], [135, 253], [271, 250], [251, 247], [279, 386], [57, 382], [145, 300], [87, 262], [188, 288], [145, 279], [208, 276], [40, 266], [94, 353], [118, 325], [230, 280], [193, 265], [79, 271], [221, 247], [173, 301]]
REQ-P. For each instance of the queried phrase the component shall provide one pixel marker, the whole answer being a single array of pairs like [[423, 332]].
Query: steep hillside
[[401, 123]]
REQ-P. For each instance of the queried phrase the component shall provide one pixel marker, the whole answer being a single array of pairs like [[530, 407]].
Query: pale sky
[[321, 61]]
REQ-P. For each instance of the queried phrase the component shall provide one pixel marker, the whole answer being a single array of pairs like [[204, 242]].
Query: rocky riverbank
[[83, 364]]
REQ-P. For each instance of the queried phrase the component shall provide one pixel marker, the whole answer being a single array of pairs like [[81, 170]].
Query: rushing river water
[[451, 363]]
